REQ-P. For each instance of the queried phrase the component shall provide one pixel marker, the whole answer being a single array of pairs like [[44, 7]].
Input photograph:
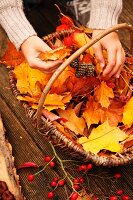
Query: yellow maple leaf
[[103, 93], [52, 101], [30, 81], [103, 137], [74, 123], [128, 113]]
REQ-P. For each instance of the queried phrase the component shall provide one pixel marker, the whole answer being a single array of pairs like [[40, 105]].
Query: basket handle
[[72, 57]]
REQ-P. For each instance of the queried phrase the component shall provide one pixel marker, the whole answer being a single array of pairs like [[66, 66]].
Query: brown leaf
[[84, 195]]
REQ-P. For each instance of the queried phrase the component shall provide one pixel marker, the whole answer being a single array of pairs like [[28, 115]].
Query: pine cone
[[84, 69], [75, 63]]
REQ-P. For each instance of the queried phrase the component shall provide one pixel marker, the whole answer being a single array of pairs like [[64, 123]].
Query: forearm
[[13, 20], [104, 13]]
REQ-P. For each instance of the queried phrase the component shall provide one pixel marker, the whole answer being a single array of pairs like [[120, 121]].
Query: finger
[[111, 61], [47, 67], [98, 54], [123, 60], [118, 64]]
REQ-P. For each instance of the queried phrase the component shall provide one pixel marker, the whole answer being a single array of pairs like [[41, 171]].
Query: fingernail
[[102, 65], [117, 76]]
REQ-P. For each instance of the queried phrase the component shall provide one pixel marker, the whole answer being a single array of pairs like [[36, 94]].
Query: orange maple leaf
[[12, 57], [74, 123], [61, 83], [103, 93], [93, 112]]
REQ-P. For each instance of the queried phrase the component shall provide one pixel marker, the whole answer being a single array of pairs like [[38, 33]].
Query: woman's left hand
[[116, 54]]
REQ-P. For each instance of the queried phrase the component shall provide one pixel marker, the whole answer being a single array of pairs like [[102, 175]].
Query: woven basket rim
[[117, 159]]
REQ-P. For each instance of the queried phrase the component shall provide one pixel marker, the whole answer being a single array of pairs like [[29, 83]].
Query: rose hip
[[52, 164], [119, 192], [74, 196], [30, 177], [47, 158], [53, 183], [76, 187], [125, 197], [61, 182], [50, 195], [117, 176]]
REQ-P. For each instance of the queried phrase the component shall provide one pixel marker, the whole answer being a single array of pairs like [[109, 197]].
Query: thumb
[[98, 54]]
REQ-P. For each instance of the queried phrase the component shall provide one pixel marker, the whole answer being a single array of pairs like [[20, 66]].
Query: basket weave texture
[[49, 131]]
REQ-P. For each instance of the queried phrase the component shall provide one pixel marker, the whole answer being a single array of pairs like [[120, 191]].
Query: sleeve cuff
[[104, 13], [16, 25]]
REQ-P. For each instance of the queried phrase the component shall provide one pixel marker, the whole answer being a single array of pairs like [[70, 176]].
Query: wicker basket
[[49, 131]]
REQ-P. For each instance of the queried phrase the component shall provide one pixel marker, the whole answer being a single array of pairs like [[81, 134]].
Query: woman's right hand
[[31, 48]]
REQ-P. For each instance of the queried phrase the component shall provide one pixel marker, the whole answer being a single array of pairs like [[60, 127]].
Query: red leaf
[[27, 165]]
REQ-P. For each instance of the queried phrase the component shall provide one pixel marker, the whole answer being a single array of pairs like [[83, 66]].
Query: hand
[[116, 54], [31, 49]]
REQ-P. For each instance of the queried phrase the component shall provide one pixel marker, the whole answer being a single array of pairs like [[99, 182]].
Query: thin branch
[[70, 59]]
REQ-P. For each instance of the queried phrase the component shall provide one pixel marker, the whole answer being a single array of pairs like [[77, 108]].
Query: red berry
[[50, 195], [82, 168], [113, 198], [89, 166], [117, 176], [47, 158], [62, 27], [119, 192], [76, 180], [61, 182], [55, 179], [95, 198], [74, 196], [68, 41], [52, 164], [67, 20], [31, 177], [125, 197], [53, 183], [81, 180], [76, 187]]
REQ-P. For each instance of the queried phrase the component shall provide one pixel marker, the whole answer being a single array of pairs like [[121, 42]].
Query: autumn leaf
[[93, 112], [103, 137], [85, 85], [103, 93], [74, 123], [12, 56], [59, 53], [114, 112], [84, 196], [52, 101], [61, 83], [30, 81], [128, 113]]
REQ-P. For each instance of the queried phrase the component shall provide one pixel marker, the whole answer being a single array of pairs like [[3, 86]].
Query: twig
[[71, 58]]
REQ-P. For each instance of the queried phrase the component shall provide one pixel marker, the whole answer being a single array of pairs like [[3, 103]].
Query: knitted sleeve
[[104, 13], [14, 21]]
